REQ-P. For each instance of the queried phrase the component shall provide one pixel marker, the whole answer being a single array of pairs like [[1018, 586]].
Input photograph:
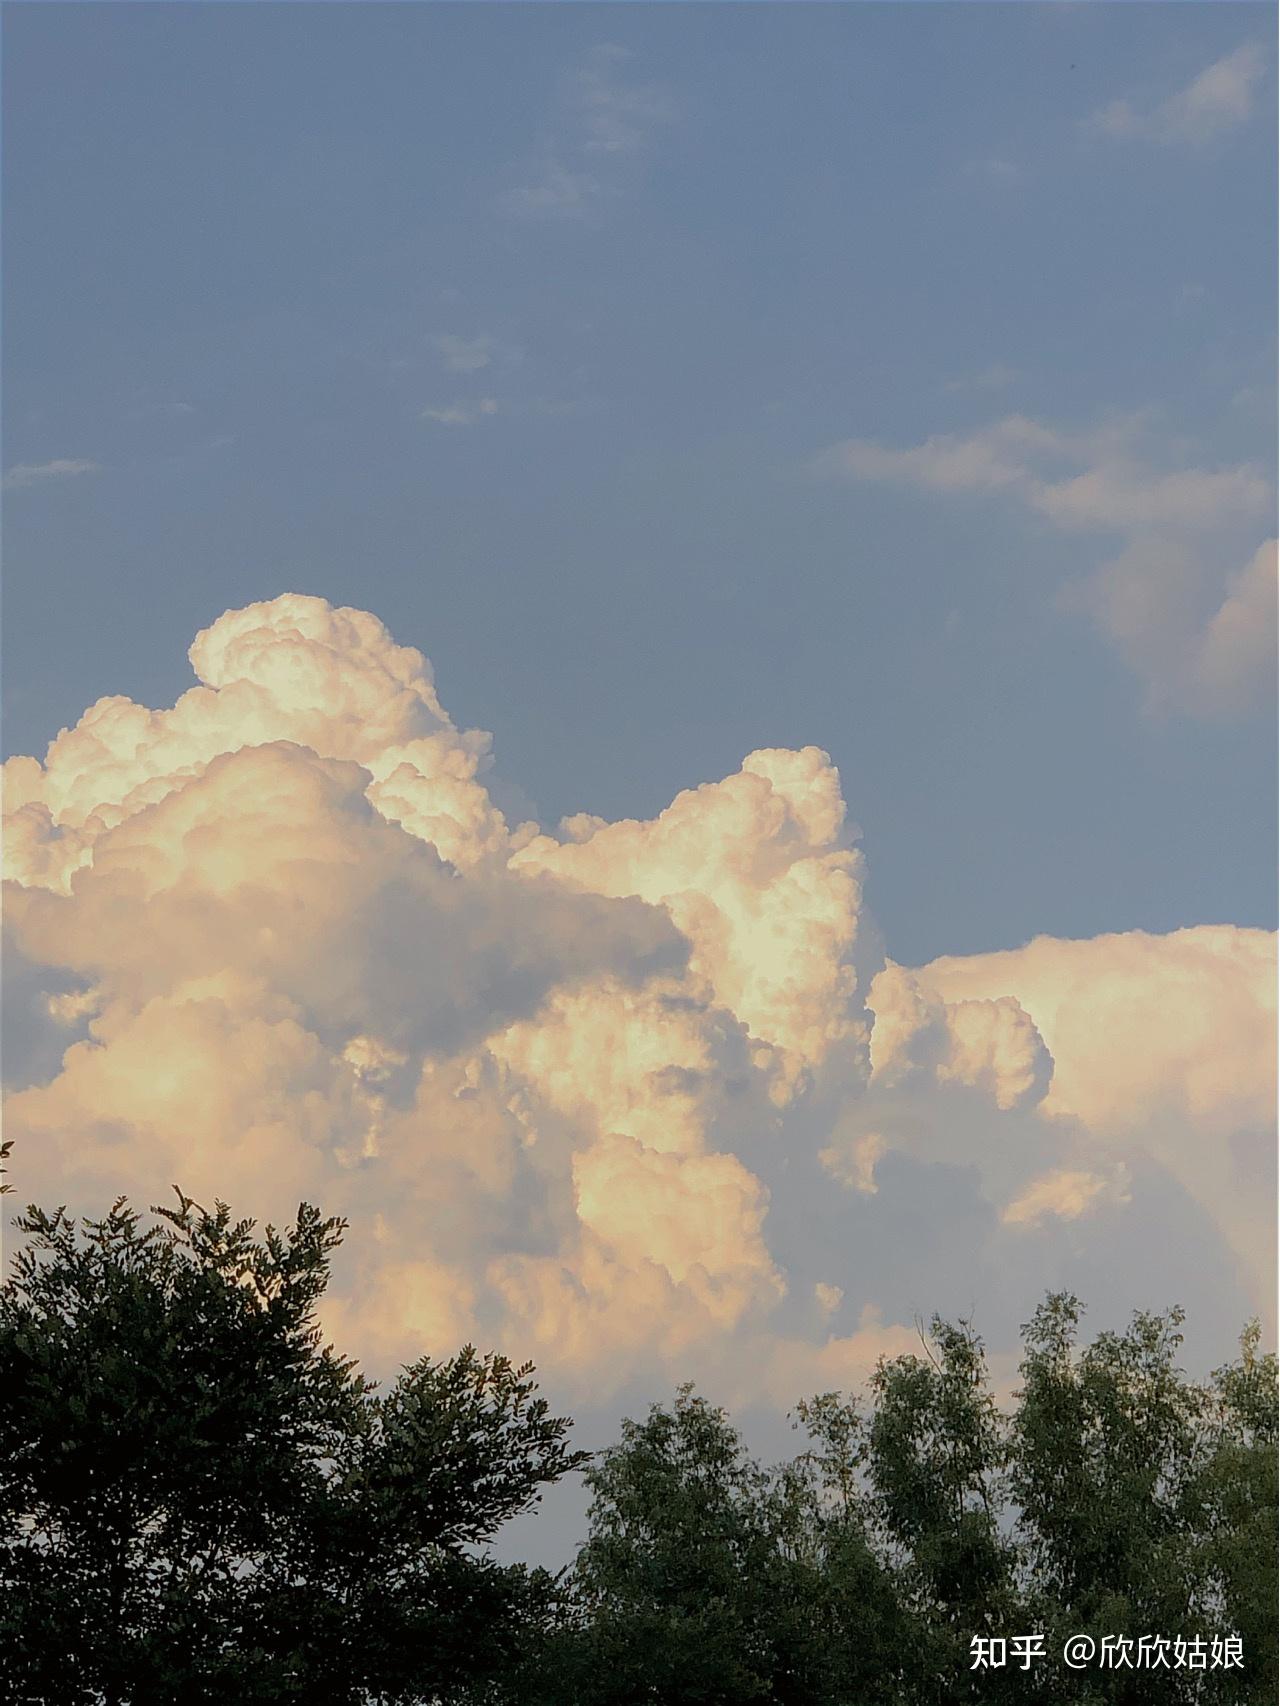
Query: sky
[[826, 871]]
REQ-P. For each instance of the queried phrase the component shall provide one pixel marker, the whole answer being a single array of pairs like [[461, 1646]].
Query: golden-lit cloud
[[1162, 1046], [576, 1092]]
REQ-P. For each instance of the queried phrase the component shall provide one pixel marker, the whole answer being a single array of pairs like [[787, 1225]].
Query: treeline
[[200, 1501]]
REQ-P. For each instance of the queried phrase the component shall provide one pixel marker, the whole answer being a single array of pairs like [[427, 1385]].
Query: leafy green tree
[[866, 1644], [708, 1580], [1106, 1452], [200, 1502], [672, 1580], [1114, 1499], [1147, 1503], [1237, 1498], [937, 1466]]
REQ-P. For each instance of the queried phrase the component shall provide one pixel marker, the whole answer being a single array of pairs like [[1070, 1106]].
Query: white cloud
[[591, 1097], [1219, 99], [996, 169], [465, 413], [24, 474], [605, 123], [465, 355], [617, 117], [997, 377], [1183, 614], [173, 408], [1162, 1046], [553, 190], [1233, 664]]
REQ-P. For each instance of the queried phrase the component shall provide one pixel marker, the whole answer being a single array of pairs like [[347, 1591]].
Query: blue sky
[[528, 328]]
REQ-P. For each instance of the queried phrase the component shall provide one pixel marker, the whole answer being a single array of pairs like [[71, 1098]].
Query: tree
[[868, 1642], [199, 1501], [1106, 1447], [1148, 1502], [936, 1463], [1113, 1499], [671, 1578], [708, 1580], [1237, 1495]]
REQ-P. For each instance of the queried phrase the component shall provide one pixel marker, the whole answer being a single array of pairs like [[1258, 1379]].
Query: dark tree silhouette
[[201, 1502]]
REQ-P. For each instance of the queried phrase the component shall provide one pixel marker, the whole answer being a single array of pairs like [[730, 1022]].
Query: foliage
[[1115, 1497], [199, 1501]]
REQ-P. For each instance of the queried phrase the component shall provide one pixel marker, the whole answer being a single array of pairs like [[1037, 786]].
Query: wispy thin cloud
[[1200, 636], [24, 474], [553, 191], [996, 169], [172, 409], [1221, 97], [602, 121], [461, 414], [1094, 479], [470, 412], [464, 355], [617, 117], [997, 377]]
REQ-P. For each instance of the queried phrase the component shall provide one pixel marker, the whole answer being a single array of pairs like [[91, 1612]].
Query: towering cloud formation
[[580, 1094]]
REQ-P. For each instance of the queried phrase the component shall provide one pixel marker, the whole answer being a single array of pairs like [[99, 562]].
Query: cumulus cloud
[[1162, 1046], [1220, 98], [753, 871], [988, 1044], [636, 1098], [1176, 602]]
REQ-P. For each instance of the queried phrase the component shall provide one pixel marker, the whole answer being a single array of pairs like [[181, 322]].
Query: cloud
[[604, 123], [997, 377], [996, 169], [1219, 99], [988, 1043], [641, 1100], [753, 871], [1064, 1195], [616, 117], [462, 413], [1187, 618], [1236, 651], [465, 355], [24, 474], [552, 190], [1162, 1045], [855, 1163], [173, 408]]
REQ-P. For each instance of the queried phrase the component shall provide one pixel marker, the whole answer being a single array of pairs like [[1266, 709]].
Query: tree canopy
[[200, 1501]]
